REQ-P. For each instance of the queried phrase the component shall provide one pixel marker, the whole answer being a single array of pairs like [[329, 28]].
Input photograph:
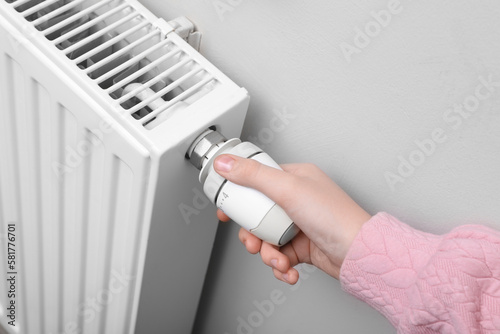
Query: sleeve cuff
[[383, 263]]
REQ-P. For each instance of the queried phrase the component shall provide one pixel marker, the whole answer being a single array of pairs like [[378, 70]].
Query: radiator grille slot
[[147, 75]]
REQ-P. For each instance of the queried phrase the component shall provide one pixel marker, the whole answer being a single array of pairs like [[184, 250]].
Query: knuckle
[[248, 172], [287, 196], [242, 235], [265, 259], [311, 168], [252, 169], [277, 274]]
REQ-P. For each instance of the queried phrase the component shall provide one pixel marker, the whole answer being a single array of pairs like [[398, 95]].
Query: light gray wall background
[[355, 120]]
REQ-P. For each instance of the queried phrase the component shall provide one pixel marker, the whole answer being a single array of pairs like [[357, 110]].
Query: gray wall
[[356, 117]]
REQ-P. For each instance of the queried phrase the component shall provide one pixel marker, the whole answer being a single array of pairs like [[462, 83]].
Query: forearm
[[337, 218], [425, 283]]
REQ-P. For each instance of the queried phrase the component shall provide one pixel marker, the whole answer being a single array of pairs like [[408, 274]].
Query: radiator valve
[[248, 207]]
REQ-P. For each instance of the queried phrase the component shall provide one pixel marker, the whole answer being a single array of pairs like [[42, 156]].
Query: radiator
[[102, 223]]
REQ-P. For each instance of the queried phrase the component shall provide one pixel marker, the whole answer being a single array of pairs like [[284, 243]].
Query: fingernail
[[224, 163], [285, 277], [274, 263]]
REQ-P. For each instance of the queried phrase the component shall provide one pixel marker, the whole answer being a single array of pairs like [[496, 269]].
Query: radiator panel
[[77, 200], [102, 244]]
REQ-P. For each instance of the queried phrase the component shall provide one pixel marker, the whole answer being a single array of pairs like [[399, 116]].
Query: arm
[[425, 283], [421, 282], [328, 218]]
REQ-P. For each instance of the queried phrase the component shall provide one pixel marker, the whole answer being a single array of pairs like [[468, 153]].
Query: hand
[[328, 218]]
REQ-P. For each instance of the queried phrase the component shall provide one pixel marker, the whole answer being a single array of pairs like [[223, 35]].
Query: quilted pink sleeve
[[424, 283]]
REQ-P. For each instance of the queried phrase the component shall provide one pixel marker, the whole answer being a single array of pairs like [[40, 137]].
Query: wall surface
[[355, 87]]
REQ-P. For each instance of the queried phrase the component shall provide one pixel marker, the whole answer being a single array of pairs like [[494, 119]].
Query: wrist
[[355, 223], [348, 223]]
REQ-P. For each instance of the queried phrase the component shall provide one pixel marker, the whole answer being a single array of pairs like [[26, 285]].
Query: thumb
[[272, 182]]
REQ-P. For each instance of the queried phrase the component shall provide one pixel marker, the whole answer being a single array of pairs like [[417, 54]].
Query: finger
[[306, 170], [292, 168], [276, 184], [290, 253], [251, 242], [274, 258], [290, 277], [222, 216]]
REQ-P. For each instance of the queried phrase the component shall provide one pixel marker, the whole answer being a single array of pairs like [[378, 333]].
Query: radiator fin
[[14, 211], [3, 236], [78, 209], [38, 104], [128, 57], [3, 241]]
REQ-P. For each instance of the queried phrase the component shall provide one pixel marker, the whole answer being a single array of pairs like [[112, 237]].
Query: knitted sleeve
[[425, 283]]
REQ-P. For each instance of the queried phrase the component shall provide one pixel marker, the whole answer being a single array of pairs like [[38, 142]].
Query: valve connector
[[204, 147]]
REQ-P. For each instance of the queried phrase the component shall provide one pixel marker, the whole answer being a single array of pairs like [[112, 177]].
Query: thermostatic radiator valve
[[248, 207]]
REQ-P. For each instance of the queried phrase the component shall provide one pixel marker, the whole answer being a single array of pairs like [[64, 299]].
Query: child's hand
[[328, 217]]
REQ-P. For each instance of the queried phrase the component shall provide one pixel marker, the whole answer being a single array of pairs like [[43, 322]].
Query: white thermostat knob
[[248, 207]]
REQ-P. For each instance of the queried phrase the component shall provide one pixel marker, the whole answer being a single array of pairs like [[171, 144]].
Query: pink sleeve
[[425, 283]]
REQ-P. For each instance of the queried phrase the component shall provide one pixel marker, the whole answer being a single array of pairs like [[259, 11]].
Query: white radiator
[[99, 102]]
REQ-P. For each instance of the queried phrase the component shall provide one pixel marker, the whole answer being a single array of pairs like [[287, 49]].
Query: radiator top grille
[[147, 75]]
